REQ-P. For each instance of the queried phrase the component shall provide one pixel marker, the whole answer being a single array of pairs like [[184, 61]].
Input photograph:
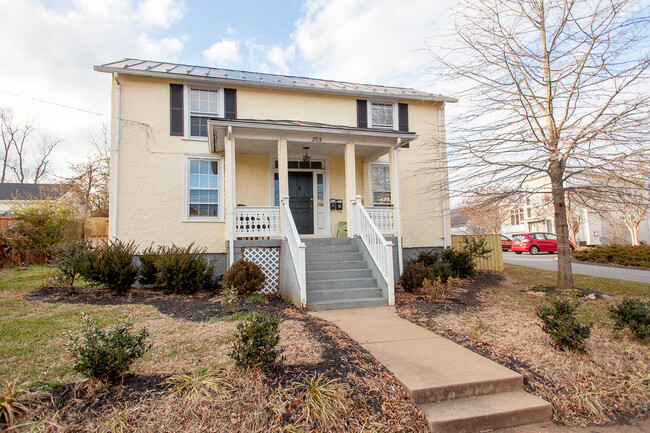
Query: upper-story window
[[204, 104], [382, 115]]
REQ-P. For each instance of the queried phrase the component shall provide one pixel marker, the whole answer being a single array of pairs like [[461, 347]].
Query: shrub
[[427, 258], [257, 338], [626, 255], [560, 322], [461, 262], [244, 275], [105, 353], [231, 298], [634, 314], [111, 265], [414, 275], [69, 260], [182, 270], [436, 289], [147, 271]]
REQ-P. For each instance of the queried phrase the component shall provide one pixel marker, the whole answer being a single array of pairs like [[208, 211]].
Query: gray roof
[[259, 79], [29, 191]]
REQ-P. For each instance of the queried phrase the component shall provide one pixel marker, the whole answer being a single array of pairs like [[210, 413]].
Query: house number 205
[[317, 139]]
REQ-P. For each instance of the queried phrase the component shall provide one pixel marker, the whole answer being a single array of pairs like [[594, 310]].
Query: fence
[[494, 260], [97, 226], [5, 221]]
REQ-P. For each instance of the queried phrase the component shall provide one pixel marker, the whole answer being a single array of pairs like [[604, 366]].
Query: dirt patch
[[200, 307]]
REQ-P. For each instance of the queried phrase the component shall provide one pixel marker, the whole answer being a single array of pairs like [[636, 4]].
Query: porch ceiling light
[[306, 158]]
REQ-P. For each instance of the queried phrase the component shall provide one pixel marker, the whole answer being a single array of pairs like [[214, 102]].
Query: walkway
[[549, 262], [457, 389]]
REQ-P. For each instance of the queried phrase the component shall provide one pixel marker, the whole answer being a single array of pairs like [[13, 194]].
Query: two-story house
[[329, 186]]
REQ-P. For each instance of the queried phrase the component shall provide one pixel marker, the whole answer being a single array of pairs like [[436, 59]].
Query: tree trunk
[[564, 271], [634, 233]]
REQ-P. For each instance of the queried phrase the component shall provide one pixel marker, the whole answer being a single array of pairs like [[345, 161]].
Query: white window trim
[[186, 107], [394, 104], [186, 188], [372, 193]]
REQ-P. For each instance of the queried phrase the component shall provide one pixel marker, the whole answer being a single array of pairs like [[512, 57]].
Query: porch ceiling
[[324, 140]]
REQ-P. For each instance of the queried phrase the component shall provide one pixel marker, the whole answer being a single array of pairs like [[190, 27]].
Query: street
[[549, 263]]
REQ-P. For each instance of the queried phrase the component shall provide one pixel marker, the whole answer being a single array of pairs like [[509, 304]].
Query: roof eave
[[431, 98]]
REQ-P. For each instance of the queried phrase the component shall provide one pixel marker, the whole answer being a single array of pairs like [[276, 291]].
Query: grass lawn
[[189, 335], [610, 381]]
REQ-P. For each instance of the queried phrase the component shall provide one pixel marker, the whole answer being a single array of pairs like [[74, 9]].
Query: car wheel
[[518, 252], [570, 248], [534, 250]]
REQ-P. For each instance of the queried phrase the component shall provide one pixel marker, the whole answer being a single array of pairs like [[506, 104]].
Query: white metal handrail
[[382, 216], [296, 249], [379, 248], [257, 221]]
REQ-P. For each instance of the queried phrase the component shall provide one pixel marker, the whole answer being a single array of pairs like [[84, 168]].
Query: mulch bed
[[373, 391]]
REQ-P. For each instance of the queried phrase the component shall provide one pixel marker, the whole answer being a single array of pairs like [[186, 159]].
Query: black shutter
[[362, 113], [230, 96], [403, 117], [176, 109]]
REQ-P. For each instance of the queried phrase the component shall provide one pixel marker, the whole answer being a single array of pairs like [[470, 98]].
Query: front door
[[301, 201]]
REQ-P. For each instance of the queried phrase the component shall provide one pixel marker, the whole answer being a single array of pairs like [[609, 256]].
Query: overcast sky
[[49, 48]]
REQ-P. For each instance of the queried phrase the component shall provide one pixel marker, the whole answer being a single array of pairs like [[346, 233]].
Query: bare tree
[[554, 87], [487, 210], [630, 199], [43, 158], [14, 136]]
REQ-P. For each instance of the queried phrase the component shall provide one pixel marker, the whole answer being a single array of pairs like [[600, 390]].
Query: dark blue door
[[301, 201]]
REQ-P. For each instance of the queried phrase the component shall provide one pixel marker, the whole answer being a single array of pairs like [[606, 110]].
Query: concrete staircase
[[338, 276], [457, 389]]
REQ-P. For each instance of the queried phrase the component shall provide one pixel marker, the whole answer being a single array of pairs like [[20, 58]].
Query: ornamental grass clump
[[634, 314], [256, 342], [561, 324], [15, 400], [323, 401], [245, 275], [104, 353], [231, 299]]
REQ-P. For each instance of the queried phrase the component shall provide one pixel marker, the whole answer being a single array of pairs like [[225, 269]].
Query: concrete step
[[333, 249], [344, 303], [309, 242], [338, 274], [332, 257], [348, 283], [336, 265], [343, 294], [486, 412]]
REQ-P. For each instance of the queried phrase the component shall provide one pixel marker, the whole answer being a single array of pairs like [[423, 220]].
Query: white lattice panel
[[251, 222], [383, 219], [268, 259]]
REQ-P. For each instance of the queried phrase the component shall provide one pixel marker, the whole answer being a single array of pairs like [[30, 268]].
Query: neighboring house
[[594, 226], [459, 223], [208, 155], [12, 193]]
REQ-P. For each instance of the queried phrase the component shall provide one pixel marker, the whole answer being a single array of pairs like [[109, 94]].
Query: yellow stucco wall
[[151, 165]]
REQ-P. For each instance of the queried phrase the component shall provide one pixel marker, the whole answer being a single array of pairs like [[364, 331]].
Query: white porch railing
[[253, 222], [380, 249], [296, 248], [383, 219]]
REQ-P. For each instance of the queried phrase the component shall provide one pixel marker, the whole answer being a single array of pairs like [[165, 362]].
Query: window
[[529, 213], [516, 216], [382, 116], [203, 196], [550, 237], [203, 105], [380, 184]]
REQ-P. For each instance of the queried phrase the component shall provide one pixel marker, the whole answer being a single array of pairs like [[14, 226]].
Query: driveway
[[549, 263]]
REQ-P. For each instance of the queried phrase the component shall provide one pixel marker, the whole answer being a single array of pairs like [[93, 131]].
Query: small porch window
[[203, 189], [380, 183]]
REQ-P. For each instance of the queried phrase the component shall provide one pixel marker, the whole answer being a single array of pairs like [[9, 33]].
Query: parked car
[[506, 243], [536, 243]]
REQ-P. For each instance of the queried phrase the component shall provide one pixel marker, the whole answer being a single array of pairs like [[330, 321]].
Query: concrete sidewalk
[[457, 389]]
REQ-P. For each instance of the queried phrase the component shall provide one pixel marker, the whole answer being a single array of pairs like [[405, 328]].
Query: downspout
[[116, 157], [231, 201], [398, 217], [441, 142]]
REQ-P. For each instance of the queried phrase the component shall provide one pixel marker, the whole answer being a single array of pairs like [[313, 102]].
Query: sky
[[49, 48]]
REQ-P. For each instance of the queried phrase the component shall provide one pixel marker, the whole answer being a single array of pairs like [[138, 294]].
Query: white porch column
[[283, 174], [230, 182], [395, 200], [350, 186]]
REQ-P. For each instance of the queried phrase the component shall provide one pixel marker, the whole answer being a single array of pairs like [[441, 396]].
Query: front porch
[[320, 185]]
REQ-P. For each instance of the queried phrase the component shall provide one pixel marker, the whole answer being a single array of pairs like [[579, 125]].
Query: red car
[[536, 243], [506, 243]]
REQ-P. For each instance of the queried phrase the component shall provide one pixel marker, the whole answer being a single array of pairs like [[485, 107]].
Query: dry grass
[[612, 379]]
